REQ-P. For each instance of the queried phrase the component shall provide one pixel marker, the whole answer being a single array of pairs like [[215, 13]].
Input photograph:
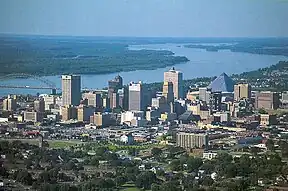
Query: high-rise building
[[205, 94], [9, 104], [191, 140], [267, 100], [176, 77], [93, 98], [242, 91], [68, 112], [113, 87], [136, 97], [168, 91], [39, 105], [71, 90], [84, 113], [102, 119], [215, 102], [50, 101]]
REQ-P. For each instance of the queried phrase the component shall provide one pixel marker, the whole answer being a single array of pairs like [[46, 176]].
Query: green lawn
[[52, 143], [62, 144], [129, 187]]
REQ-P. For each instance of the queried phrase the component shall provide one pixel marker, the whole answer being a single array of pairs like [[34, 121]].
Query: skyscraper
[[113, 87], [242, 91], [94, 99], [205, 94], [39, 105], [71, 90], [9, 104], [176, 77], [168, 91], [136, 97]]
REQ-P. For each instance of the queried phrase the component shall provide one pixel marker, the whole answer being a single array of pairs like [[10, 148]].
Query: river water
[[202, 63]]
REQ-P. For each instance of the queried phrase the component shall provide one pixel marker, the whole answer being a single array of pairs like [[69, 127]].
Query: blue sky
[[166, 18]]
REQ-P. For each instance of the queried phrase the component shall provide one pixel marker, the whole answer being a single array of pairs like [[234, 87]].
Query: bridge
[[47, 84]]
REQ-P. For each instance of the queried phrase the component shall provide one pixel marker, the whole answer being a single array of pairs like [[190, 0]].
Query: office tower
[[113, 87], [93, 99], [205, 94], [102, 119], [84, 113], [242, 91], [33, 116], [191, 140], [50, 101], [168, 91], [39, 105], [215, 102], [68, 112], [136, 97], [176, 77], [267, 100], [71, 90], [9, 104]]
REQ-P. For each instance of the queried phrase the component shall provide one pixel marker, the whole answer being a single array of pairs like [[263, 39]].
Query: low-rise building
[[191, 140], [266, 119], [127, 139], [33, 116], [209, 155]]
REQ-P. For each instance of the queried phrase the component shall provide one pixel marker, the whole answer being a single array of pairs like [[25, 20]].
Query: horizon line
[[124, 36]]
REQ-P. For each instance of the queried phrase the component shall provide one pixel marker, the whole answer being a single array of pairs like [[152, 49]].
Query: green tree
[[24, 177], [156, 151], [94, 161], [145, 180], [262, 111], [120, 180], [270, 145]]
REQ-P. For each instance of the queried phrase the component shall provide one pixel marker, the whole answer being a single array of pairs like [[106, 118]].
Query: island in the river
[[45, 56]]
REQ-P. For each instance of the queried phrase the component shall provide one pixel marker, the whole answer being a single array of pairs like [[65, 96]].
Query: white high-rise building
[[136, 97], [71, 90]]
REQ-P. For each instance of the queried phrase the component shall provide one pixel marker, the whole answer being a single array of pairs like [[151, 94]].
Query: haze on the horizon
[[158, 18]]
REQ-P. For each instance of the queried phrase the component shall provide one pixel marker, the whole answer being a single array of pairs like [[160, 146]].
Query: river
[[202, 63]]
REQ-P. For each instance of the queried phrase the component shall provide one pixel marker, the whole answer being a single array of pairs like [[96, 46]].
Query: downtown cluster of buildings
[[196, 117]]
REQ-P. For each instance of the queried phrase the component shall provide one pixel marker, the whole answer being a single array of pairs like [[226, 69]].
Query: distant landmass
[[45, 56], [55, 55], [269, 46]]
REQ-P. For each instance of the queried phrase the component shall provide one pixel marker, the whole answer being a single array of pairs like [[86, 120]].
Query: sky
[[146, 18]]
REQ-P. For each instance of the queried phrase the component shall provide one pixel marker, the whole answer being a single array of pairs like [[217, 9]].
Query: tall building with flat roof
[[191, 140], [242, 91], [267, 100], [39, 105], [113, 87], [205, 94], [176, 77], [71, 90], [136, 97], [168, 91], [9, 104], [94, 99], [84, 112]]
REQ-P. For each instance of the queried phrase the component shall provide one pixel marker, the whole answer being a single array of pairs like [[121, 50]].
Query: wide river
[[202, 63]]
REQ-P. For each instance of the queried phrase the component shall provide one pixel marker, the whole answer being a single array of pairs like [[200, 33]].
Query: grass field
[[56, 144]]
